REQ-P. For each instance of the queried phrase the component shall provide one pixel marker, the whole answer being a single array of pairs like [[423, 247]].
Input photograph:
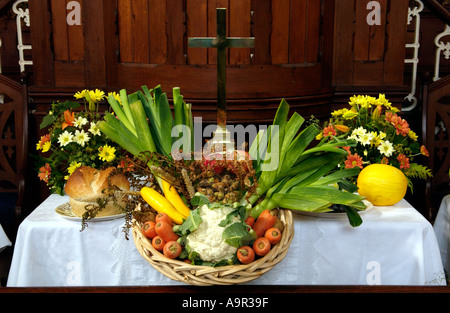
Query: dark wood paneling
[[302, 48], [239, 25], [197, 26], [41, 30], [175, 30], [280, 32], [94, 48], [369, 55], [395, 41], [262, 30]]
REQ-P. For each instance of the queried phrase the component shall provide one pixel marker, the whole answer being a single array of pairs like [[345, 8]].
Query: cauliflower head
[[208, 240]]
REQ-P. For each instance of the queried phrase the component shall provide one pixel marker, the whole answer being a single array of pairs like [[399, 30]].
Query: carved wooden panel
[[437, 128], [13, 139]]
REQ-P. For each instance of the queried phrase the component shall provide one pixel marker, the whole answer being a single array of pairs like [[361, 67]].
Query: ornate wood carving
[[13, 138]]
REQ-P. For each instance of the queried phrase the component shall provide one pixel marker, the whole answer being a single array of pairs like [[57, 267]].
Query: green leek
[[126, 105], [306, 179]]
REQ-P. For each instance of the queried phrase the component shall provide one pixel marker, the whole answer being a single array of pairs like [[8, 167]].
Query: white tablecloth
[[442, 230], [4, 240], [394, 246]]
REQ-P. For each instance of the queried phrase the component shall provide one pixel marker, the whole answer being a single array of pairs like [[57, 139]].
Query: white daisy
[[81, 138], [65, 138], [359, 131], [80, 122], [386, 148], [365, 139], [94, 129]]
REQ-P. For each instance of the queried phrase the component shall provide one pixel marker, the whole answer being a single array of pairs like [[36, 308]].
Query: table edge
[[232, 289]]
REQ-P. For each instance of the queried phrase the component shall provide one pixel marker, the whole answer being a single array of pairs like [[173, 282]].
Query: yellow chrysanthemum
[[378, 138], [340, 112], [96, 95], [360, 101], [383, 101], [46, 146], [107, 153], [413, 135], [81, 94], [72, 167], [116, 96], [394, 110], [372, 101]]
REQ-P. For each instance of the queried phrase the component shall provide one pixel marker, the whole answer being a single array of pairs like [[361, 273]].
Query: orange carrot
[[266, 220], [165, 231], [250, 221], [163, 217], [172, 249], [158, 243], [245, 255], [261, 246], [149, 229], [273, 235]]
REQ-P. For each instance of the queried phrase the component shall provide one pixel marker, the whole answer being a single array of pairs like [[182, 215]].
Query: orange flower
[[404, 161], [424, 151], [354, 161], [41, 145], [347, 148], [69, 117], [401, 126], [389, 116], [329, 131], [44, 172], [385, 160]]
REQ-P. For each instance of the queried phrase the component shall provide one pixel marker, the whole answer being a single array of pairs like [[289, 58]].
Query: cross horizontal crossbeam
[[229, 42]]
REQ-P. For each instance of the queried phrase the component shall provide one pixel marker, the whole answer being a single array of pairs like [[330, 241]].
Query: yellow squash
[[161, 204], [382, 185], [174, 198]]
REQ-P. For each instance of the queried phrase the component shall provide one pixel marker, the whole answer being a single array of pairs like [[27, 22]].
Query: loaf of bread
[[87, 184]]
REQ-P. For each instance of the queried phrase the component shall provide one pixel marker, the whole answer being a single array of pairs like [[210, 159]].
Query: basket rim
[[206, 275]]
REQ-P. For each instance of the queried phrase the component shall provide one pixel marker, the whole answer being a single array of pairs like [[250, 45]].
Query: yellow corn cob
[[161, 204], [174, 198]]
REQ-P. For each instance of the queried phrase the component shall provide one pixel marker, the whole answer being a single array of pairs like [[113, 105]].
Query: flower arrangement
[[73, 140], [381, 135]]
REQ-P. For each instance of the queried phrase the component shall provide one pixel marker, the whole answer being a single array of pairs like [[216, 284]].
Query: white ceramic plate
[[332, 215], [65, 211]]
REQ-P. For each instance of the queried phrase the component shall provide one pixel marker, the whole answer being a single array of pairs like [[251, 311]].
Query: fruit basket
[[223, 275]]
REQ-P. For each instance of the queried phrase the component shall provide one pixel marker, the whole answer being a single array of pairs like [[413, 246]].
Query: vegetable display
[[215, 211], [305, 177]]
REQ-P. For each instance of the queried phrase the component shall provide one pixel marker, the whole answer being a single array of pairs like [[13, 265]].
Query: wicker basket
[[224, 275]]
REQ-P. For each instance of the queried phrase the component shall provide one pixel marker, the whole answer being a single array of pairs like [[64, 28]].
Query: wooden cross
[[221, 42]]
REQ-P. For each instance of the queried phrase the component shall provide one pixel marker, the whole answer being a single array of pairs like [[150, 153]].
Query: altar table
[[394, 246], [442, 230]]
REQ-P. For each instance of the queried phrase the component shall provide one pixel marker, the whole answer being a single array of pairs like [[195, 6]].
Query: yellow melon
[[382, 185]]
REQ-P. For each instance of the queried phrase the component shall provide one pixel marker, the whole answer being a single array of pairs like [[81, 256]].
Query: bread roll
[[88, 184]]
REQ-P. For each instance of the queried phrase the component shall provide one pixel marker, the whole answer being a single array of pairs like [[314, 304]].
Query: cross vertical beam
[[221, 42], [222, 68]]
